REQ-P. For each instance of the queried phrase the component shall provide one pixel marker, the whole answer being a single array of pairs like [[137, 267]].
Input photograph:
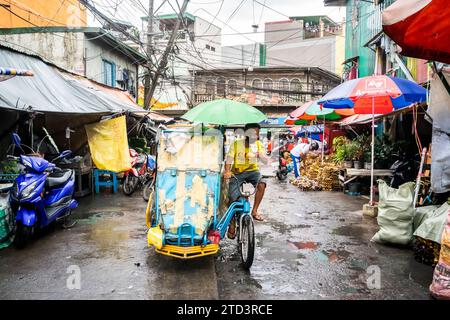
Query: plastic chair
[[109, 182]]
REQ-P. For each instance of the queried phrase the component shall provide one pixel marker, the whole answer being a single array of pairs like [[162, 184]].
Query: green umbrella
[[224, 112]]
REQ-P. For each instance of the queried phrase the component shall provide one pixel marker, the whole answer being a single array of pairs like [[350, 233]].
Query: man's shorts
[[253, 177]]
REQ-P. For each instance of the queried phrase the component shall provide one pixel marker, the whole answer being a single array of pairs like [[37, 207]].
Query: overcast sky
[[249, 12]]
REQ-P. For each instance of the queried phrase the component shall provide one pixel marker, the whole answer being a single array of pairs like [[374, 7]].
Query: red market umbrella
[[420, 27]]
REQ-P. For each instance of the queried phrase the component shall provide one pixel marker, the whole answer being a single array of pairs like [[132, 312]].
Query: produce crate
[[426, 251], [8, 177], [6, 222]]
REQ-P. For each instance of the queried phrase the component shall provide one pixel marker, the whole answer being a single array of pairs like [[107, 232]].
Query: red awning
[[420, 28]]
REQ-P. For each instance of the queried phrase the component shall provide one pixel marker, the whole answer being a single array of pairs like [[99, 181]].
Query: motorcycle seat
[[59, 177], [141, 160]]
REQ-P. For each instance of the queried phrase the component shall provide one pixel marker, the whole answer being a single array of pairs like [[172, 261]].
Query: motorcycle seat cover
[[58, 178], [142, 159]]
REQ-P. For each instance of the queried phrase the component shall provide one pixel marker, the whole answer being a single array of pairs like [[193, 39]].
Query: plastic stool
[[112, 182]]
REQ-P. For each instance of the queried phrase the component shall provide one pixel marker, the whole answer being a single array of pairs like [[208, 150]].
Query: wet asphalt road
[[313, 245]]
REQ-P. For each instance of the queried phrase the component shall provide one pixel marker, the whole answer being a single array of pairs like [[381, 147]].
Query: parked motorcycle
[[41, 195], [404, 169], [283, 166], [149, 185], [138, 175]]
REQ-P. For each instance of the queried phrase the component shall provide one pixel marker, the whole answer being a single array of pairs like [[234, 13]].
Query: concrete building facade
[[90, 52], [271, 89], [246, 55], [48, 13], [306, 41]]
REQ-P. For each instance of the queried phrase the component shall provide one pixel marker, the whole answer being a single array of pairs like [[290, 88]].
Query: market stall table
[[5, 186], [347, 175]]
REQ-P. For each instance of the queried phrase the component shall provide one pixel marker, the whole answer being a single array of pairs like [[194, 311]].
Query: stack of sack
[[429, 226], [395, 214], [429, 223], [440, 287]]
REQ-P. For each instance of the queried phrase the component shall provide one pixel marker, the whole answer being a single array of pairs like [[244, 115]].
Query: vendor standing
[[299, 152]]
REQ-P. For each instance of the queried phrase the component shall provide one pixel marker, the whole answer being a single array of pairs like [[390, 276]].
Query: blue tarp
[[273, 121]]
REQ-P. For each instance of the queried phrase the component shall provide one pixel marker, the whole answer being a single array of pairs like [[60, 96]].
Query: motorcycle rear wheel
[[147, 190], [281, 176], [129, 184]]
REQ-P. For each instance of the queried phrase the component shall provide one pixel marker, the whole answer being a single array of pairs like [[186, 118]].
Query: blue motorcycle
[[41, 195]]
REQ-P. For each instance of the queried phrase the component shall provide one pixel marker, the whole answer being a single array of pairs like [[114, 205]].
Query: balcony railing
[[203, 97], [292, 98], [284, 98]]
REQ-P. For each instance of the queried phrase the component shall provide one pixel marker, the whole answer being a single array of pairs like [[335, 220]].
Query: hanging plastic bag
[[440, 287], [109, 144], [395, 214]]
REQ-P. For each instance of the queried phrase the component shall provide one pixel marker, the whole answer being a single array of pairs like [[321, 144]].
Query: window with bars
[[268, 84], [232, 87], [210, 87], [283, 85], [257, 84], [296, 86], [109, 73], [221, 84]]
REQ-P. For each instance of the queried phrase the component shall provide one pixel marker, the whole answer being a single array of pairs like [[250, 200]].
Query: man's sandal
[[258, 217]]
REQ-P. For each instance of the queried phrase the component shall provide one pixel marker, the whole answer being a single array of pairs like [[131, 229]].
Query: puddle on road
[[350, 231], [311, 245], [283, 228], [110, 234], [94, 217], [334, 255], [358, 265]]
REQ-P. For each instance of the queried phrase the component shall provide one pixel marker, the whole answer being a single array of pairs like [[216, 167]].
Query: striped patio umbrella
[[316, 110], [295, 122], [313, 111], [8, 73], [379, 94]]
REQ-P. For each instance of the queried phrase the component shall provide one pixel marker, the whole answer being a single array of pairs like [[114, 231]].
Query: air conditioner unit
[[119, 75]]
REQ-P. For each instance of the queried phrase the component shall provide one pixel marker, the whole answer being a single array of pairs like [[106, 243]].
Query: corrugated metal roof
[[50, 90]]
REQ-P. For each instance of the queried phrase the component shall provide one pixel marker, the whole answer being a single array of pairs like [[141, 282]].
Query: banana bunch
[[317, 175]]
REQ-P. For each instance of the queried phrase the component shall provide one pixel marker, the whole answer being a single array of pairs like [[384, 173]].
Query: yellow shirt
[[245, 159]]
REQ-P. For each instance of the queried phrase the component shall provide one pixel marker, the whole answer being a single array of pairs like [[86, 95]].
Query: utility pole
[[113, 25], [163, 63], [149, 53]]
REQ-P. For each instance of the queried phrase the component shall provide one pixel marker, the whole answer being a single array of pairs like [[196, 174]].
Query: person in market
[[242, 162], [299, 152], [290, 142]]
